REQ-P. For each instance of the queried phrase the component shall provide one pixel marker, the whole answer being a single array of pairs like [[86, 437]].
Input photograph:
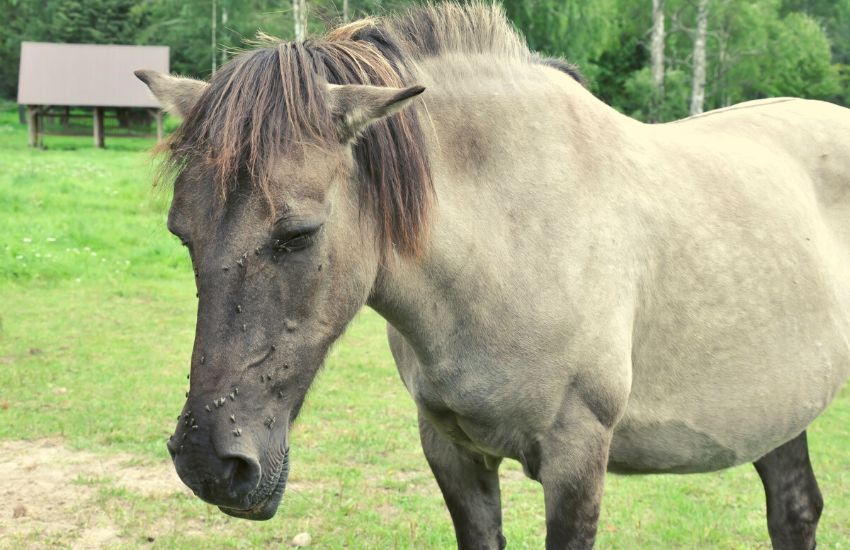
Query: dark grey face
[[286, 261], [274, 292]]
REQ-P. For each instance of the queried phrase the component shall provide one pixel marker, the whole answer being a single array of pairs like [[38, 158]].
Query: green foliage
[[834, 17], [798, 60], [578, 31], [187, 28], [638, 90], [91, 21], [755, 49], [769, 55]]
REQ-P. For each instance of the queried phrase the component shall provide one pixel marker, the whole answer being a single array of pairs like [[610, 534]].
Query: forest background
[[656, 60]]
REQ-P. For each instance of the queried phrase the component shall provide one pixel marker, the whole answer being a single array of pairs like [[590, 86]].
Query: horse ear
[[356, 106], [176, 94]]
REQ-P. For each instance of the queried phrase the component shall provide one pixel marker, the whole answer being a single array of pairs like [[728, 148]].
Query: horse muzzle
[[235, 471], [266, 507]]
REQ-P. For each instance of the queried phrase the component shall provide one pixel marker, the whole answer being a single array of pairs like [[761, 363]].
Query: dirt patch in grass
[[48, 495]]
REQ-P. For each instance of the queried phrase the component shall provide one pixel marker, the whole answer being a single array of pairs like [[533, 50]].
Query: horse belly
[[726, 387], [712, 427], [739, 348], [707, 415], [668, 445]]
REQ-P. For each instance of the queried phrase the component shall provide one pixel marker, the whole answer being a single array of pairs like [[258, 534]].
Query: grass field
[[96, 329]]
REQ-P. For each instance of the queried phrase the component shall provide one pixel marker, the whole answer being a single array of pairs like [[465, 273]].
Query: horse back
[[811, 135]]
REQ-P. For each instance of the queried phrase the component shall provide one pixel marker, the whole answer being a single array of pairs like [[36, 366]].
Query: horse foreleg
[[470, 489], [794, 502], [571, 467]]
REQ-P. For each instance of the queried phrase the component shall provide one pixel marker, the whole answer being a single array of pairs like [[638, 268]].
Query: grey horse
[[564, 286]]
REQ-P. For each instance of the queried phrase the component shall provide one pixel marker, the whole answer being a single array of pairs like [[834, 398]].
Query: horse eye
[[292, 240]]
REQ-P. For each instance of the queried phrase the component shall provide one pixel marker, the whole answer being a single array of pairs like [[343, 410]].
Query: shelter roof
[[88, 75]]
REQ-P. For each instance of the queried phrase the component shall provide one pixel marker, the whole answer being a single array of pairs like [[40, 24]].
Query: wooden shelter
[[85, 75]]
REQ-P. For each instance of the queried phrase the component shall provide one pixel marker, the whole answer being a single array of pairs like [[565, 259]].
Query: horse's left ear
[[356, 106], [176, 94]]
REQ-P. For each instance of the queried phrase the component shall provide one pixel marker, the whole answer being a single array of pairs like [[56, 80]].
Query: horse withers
[[564, 286]]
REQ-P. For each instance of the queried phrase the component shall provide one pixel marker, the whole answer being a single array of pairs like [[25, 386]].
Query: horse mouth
[[268, 504]]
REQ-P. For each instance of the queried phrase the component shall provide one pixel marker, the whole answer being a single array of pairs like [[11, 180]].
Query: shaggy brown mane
[[272, 100]]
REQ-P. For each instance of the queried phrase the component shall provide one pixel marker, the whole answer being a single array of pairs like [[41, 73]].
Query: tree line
[[656, 60]]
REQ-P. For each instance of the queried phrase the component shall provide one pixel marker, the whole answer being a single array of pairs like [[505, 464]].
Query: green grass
[[97, 321]]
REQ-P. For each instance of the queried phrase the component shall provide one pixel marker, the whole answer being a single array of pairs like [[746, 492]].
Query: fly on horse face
[[564, 286]]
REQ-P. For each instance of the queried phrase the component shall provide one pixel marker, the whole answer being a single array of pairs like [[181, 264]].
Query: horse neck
[[507, 143]]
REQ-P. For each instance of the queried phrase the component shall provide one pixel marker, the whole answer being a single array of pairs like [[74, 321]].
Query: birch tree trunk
[[224, 25], [657, 56], [698, 84], [213, 33], [299, 12]]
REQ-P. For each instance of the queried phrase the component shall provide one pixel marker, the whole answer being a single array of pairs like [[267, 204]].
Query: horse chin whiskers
[[272, 485]]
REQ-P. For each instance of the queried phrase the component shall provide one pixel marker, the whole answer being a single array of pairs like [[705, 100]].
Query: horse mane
[[272, 101]]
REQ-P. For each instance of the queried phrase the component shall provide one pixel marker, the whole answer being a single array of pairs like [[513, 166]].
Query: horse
[[564, 286]]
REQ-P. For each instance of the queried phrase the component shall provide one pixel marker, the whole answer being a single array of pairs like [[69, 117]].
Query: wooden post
[[98, 127], [32, 126], [159, 127], [39, 122]]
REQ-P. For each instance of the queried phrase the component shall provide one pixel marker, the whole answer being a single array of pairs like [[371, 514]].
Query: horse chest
[[476, 409], [446, 391]]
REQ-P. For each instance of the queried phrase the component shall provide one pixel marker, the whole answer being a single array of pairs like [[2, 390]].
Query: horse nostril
[[243, 474]]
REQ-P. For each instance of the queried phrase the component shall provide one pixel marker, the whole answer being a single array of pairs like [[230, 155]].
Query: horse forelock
[[273, 100]]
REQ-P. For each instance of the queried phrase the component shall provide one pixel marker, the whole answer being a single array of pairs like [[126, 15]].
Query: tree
[[580, 31], [757, 48], [698, 80], [214, 41], [657, 55], [768, 55], [834, 17], [299, 13]]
